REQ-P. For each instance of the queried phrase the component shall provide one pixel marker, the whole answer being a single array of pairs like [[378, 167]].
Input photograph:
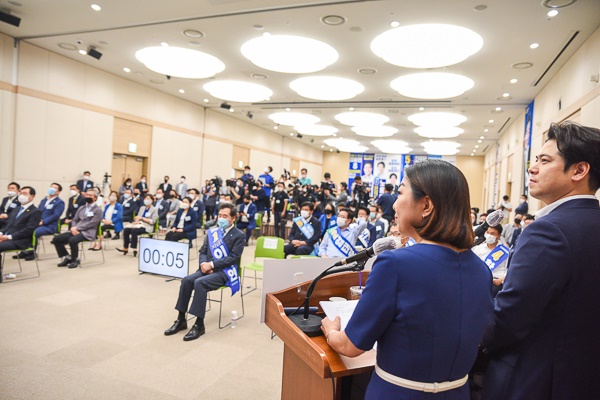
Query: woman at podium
[[426, 306]]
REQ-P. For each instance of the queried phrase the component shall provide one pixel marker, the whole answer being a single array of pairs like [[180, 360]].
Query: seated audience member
[[495, 254], [305, 232], [166, 187], [482, 218], [217, 268], [20, 225], [76, 200], [279, 206], [246, 217], [83, 227], [162, 207], [52, 208], [174, 203], [405, 241], [197, 205], [126, 185], [143, 222], [376, 221], [327, 219], [509, 230], [112, 219], [85, 183], [10, 202], [523, 207], [138, 199], [184, 226], [130, 206], [474, 220], [366, 237], [339, 240], [142, 186]]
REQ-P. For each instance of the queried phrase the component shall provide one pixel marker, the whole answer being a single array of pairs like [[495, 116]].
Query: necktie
[[20, 212]]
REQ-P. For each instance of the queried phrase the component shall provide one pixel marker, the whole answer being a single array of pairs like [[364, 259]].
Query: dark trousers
[[209, 213], [201, 284], [106, 228], [279, 224], [61, 240], [131, 235], [297, 251], [10, 245], [175, 236]]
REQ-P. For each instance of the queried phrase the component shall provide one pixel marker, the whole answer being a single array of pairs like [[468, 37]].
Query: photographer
[[259, 197], [237, 191], [360, 194], [342, 198], [247, 177]]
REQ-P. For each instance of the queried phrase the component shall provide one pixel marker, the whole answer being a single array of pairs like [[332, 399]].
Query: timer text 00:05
[[169, 258]]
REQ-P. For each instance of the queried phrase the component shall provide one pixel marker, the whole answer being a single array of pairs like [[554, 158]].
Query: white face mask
[[192, 196], [490, 239], [113, 198], [23, 199], [147, 202], [11, 193], [185, 206], [305, 214], [340, 221], [143, 181], [182, 180], [159, 196], [86, 177], [522, 201], [73, 193]]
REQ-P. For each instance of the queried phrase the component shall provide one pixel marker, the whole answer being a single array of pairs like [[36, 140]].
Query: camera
[[230, 183], [216, 182], [106, 177]]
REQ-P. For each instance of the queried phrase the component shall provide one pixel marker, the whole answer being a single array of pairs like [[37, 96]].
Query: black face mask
[[89, 200], [166, 180], [518, 221], [328, 212]]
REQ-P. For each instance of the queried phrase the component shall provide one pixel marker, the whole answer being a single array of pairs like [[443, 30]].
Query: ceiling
[[507, 27]]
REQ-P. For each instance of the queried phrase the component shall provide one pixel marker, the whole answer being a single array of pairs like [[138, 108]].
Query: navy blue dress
[[426, 306]]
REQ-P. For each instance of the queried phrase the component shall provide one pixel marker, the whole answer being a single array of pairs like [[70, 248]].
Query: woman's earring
[[423, 216]]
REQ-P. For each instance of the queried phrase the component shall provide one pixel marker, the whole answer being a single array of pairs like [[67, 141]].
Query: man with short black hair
[[130, 206], [386, 202], [10, 202], [279, 206], [305, 232], [85, 183], [197, 205]]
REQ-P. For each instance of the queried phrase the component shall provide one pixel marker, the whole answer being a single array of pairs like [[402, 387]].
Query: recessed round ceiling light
[[206, 100], [293, 118], [438, 131], [421, 108], [67, 46], [479, 141], [498, 109], [326, 88], [481, 137], [289, 54], [514, 80], [82, 52], [333, 20], [557, 3], [316, 130], [491, 121], [375, 131], [367, 71], [426, 45], [442, 148], [164, 44], [243, 92], [432, 85], [192, 33], [534, 45], [552, 13], [128, 70], [505, 94], [395, 24], [485, 130], [522, 65], [180, 62], [96, 7], [181, 91], [442, 119], [361, 118]]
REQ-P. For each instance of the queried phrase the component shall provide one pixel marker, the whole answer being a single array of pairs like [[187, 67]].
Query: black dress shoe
[[66, 261], [177, 326], [194, 333], [21, 255], [30, 257], [116, 237], [122, 251], [74, 264], [135, 253]]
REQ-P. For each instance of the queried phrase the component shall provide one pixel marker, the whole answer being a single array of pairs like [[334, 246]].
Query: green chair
[[31, 248], [150, 235], [258, 230], [82, 249], [42, 241], [272, 250], [220, 301], [304, 256]]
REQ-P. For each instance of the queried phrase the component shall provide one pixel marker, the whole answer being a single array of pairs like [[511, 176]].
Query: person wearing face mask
[[126, 185], [376, 221], [143, 222], [247, 175], [83, 227], [130, 206], [184, 225], [494, 253], [267, 180], [76, 200], [279, 205], [182, 188], [246, 217], [85, 183], [219, 259], [174, 204], [328, 219], [339, 240], [367, 236], [52, 208], [509, 230], [304, 179], [142, 185], [112, 219], [10, 202], [197, 205], [20, 224], [166, 187], [162, 206], [238, 191], [523, 206], [137, 198], [305, 232]]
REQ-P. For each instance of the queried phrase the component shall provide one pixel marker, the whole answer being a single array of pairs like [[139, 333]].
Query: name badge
[[115, 211], [277, 201], [75, 205], [378, 228], [49, 206], [195, 209], [12, 205], [89, 185], [160, 207], [127, 205], [90, 214], [187, 218]]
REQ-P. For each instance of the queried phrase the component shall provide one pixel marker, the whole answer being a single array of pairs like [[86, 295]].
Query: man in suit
[[84, 227], [9, 203], [219, 259], [544, 337], [142, 186], [166, 187], [20, 225], [86, 183], [247, 213], [130, 206], [162, 207], [182, 188], [305, 232], [75, 201], [197, 205]]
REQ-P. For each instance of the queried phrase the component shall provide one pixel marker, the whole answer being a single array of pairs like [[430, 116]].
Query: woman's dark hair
[[447, 188], [149, 195], [331, 207], [116, 194], [189, 199], [576, 144]]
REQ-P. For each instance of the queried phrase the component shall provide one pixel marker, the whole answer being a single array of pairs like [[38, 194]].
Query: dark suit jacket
[[167, 190], [129, 208], [189, 223], [72, 208], [21, 229], [50, 216], [252, 210], [162, 212], [198, 206], [142, 187], [90, 185], [296, 233], [5, 200], [235, 241], [544, 338]]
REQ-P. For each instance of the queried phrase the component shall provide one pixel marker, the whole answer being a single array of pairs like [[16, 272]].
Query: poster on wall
[[527, 146]]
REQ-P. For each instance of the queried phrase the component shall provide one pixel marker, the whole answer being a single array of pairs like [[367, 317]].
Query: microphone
[[380, 245], [492, 219]]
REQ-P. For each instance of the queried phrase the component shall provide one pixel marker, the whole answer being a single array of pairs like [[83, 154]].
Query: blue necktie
[[20, 212]]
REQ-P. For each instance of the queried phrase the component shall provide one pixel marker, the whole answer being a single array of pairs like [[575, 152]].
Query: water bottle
[[234, 319]]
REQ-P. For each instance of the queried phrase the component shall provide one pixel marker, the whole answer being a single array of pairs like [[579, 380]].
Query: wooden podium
[[312, 369]]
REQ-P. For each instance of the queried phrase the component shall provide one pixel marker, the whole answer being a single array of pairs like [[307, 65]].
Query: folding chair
[[266, 247], [258, 230], [19, 260], [42, 241], [150, 235], [82, 250], [220, 301]]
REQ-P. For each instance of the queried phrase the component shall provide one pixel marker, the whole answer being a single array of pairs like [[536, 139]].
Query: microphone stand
[[311, 324]]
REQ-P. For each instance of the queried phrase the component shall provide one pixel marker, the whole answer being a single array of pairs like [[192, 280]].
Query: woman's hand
[[328, 325]]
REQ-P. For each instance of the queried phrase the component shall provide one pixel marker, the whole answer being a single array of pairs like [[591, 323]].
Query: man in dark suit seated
[[75, 201], [142, 186], [543, 340], [9, 203], [162, 207], [20, 225], [305, 232], [130, 206], [84, 227], [246, 217], [219, 258], [197, 205], [86, 183]]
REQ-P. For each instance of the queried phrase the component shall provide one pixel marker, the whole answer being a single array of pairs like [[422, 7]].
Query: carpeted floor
[[97, 333]]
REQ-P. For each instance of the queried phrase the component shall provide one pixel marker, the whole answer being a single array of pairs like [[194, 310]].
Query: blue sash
[[497, 256], [364, 237], [219, 250], [306, 229], [340, 242]]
